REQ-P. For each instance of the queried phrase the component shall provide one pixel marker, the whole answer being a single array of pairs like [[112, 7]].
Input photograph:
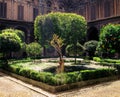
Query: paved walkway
[[11, 87], [109, 89]]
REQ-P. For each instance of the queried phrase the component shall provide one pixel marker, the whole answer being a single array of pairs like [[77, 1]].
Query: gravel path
[[11, 87], [109, 89]]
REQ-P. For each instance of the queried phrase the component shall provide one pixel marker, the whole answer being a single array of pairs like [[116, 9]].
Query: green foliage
[[99, 73], [66, 25], [97, 59], [18, 32], [34, 49], [62, 78], [9, 42], [90, 47], [70, 49], [109, 39]]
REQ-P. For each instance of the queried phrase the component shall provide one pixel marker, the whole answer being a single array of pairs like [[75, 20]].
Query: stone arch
[[32, 37], [92, 33], [24, 30]]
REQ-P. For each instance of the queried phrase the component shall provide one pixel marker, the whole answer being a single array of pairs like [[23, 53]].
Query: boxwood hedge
[[63, 78]]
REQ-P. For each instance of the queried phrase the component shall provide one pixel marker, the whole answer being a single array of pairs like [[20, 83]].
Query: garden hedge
[[60, 79]]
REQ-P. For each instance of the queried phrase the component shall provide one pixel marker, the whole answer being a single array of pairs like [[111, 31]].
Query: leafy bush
[[34, 49], [109, 40], [72, 49], [90, 47], [10, 41], [97, 59], [99, 73], [62, 78]]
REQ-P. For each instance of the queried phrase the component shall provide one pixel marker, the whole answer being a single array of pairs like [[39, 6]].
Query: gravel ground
[[109, 89], [9, 88]]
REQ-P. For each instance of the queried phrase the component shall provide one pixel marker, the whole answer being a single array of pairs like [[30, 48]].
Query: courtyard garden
[[61, 58]]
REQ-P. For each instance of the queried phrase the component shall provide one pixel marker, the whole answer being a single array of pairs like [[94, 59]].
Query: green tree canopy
[[90, 47], [34, 49], [9, 41], [70, 27], [110, 39]]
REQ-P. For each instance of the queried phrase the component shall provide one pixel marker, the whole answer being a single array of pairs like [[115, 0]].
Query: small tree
[[57, 43], [34, 49], [70, 27], [90, 47], [70, 49], [109, 43], [9, 42]]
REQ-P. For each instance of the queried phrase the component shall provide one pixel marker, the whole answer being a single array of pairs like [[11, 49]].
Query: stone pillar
[[114, 9]]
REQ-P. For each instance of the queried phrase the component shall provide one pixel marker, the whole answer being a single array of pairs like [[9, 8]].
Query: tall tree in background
[[70, 27]]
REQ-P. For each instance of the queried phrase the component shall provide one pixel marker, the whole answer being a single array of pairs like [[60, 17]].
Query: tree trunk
[[44, 51], [60, 68]]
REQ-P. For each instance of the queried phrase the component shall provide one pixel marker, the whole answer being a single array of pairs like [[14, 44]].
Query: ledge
[[55, 89]]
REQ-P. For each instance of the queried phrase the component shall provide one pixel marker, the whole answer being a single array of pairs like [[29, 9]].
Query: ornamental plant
[[70, 27], [90, 47], [34, 49], [11, 40], [109, 39]]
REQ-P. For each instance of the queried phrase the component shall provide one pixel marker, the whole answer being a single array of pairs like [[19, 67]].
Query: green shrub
[[109, 40], [99, 73], [62, 78], [73, 77], [34, 50], [45, 77], [35, 75], [96, 59], [25, 72], [90, 47]]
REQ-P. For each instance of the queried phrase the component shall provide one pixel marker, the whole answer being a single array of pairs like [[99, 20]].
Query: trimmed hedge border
[[55, 89]]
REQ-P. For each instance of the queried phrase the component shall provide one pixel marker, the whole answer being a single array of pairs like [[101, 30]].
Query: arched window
[[20, 12], [107, 9], [35, 13], [49, 4], [3, 9]]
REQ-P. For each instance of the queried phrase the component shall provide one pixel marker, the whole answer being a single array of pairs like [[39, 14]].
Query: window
[[20, 12], [107, 9], [3, 9], [81, 11], [93, 12], [35, 12], [42, 9], [49, 4]]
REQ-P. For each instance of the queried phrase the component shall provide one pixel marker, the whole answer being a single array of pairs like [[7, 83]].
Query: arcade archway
[[92, 34], [25, 32]]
